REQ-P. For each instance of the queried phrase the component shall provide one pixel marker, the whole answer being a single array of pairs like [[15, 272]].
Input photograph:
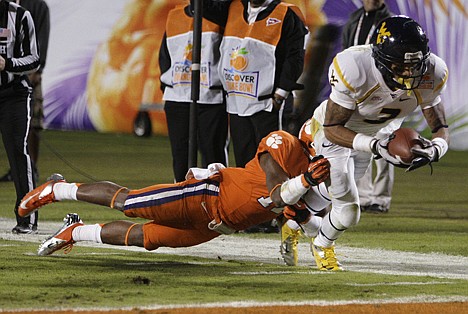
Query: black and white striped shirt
[[18, 42]]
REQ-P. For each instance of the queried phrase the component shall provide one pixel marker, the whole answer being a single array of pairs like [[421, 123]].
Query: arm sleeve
[[26, 42], [164, 61], [42, 24], [215, 11], [290, 53]]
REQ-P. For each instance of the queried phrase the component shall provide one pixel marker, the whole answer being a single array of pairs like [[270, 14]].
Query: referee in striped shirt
[[18, 56]]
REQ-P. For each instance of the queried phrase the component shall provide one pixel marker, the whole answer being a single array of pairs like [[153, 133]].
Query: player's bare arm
[[435, 117], [287, 191], [432, 150], [275, 175], [335, 118]]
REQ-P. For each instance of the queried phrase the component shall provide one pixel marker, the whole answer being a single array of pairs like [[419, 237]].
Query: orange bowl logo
[[239, 59], [188, 52]]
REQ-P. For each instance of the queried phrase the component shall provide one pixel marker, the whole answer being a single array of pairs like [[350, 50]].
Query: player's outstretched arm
[[432, 150], [275, 176], [435, 117], [288, 191]]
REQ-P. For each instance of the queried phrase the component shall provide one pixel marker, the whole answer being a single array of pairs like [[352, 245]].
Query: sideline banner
[[102, 63]]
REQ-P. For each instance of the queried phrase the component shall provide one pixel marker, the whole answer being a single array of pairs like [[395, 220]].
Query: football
[[402, 142]]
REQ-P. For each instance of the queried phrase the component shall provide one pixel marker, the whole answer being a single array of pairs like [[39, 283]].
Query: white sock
[[65, 191], [87, 233]]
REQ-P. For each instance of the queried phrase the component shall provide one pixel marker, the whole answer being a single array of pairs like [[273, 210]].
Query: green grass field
[[429, 214]]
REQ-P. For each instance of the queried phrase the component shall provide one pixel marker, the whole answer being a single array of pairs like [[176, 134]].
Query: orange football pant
[[180, 212]]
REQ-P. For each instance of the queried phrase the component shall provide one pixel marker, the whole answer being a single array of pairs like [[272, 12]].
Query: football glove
[[429, 152], [297, 212], [380, 150], [318, 171]]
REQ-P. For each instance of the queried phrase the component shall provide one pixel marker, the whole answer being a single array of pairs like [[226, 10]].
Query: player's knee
[[349, 214]]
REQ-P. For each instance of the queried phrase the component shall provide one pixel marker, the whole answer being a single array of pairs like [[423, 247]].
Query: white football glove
[[380, 150], [428, 149], [429, 152]]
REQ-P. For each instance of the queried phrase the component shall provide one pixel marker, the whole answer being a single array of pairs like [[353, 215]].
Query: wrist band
[[441, 146], [292, 190], [363, 143]]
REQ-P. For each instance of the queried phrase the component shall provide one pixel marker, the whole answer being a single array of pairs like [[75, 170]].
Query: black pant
[[247, 132], [212, 134], [15, 117]]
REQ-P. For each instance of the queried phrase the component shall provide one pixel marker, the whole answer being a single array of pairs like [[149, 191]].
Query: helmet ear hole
[[400, 40]]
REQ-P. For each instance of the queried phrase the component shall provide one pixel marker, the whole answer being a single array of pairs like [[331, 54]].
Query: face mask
[[406, 82]]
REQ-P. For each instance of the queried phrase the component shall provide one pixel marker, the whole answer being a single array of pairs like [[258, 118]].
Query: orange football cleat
[[40, 196]]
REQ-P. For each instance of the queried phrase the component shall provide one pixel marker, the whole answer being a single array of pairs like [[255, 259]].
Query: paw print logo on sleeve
[[274, 140]]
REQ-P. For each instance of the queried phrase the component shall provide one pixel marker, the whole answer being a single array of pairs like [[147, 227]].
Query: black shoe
[[21, 229], [36, 174], [7, 177], [266, 227], [365, 208], [377, 209]]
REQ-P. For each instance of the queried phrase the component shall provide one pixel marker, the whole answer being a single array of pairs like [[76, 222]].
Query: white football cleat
[[62, 239]]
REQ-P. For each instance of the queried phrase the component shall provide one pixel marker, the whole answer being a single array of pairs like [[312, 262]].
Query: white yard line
[[379, 261]]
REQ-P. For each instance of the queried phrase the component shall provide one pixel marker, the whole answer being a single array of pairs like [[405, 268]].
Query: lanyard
[[358, 30]]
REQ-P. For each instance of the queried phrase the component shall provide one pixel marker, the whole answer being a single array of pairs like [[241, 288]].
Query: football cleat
[[288, 248], [377, 209], [325, 258], [24, 229], [62, 239], [40, 196]]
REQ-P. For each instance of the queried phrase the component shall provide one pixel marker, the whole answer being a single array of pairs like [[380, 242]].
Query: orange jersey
[[244, 199], [239, 197]]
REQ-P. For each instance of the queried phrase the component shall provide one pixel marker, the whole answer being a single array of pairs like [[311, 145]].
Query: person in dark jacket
[[361, 23]]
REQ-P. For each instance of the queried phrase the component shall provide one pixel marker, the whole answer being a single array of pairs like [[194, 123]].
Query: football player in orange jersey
[[303, 224], [210, 202]]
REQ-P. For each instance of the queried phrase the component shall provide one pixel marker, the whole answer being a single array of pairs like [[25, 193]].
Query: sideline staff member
[[175, 57], [18, 57]]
